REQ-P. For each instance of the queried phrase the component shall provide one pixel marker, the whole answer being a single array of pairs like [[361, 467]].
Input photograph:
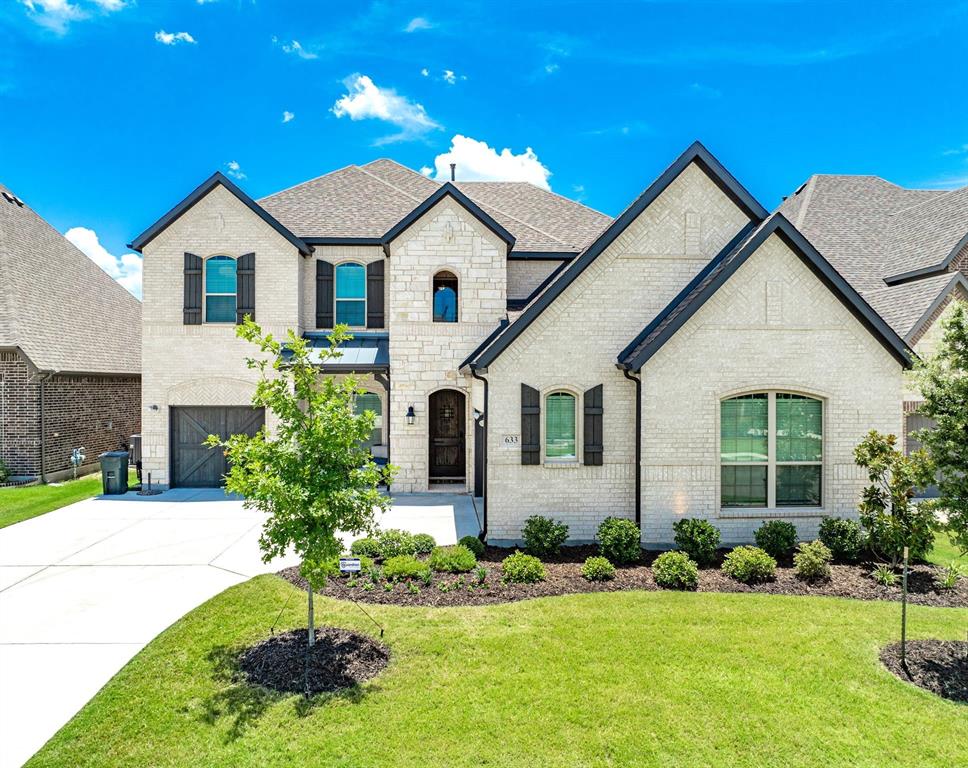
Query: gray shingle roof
[[61, 309], [903, 306], [366, 201]]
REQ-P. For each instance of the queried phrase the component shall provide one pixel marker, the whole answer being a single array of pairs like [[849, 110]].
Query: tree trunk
[[312, 625]]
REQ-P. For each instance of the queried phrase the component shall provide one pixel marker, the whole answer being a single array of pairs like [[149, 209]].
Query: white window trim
[[771, 509], [206, 294], [579, 429], [336, 267]]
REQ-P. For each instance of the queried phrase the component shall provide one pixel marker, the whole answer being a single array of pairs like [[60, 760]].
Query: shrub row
[[393, 542]]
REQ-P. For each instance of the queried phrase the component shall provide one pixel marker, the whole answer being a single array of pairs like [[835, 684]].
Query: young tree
[[943, 381], [887, 512], [311, 474]]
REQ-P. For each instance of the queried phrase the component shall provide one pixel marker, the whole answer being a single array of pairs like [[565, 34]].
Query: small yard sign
[[349, 565]]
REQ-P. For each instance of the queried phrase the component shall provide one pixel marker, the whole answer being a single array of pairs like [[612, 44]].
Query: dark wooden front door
[[447, 436], [194, 465]]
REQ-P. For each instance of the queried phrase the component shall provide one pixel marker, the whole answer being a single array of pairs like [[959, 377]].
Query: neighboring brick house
[[695, 356], [70, 350]]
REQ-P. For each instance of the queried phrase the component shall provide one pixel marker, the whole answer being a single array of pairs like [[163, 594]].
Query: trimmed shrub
[[368, 547], [777, 538], [4, 471], [395, 542], [812, 561], [844, 538], [400, 567], [520, 568], [598, 569], [619, 540], [423, 544], [674, 570], [697, 538], [544, 536], [453, 559], [474, 544], [749, 565]]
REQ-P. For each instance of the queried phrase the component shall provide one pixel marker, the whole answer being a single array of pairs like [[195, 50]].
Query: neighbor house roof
[[56, 305]]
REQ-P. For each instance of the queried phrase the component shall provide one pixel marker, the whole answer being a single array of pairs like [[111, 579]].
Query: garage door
[[193, 465]]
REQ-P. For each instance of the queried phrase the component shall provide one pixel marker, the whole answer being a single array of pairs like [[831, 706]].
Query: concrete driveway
[[84, 588]]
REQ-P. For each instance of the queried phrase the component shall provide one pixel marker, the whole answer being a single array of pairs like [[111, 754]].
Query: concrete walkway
[[84, 588]]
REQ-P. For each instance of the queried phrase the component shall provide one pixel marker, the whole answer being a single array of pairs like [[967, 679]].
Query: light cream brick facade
[[524, 276]]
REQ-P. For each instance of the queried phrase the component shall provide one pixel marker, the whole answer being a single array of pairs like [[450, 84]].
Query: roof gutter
[[638, 443]]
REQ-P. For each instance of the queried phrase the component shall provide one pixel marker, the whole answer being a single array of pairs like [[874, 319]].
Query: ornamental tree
[[311, 474], [943, 381], [887, 511]]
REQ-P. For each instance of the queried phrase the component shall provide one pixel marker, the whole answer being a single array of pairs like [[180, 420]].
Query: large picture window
[[369, 401], [351, 294], [220, 289], [771, 450], [560, 427]]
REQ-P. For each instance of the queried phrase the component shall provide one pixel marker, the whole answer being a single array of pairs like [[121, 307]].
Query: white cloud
[[173, 38], [287, 116], [962, 150], [427, 171], [550, 69], [295, 48], [418, 23], [110, 5], [425, 72], [234, 170], [449, 76], [476, 161], [366, 100], [126, 268], [55, 15]]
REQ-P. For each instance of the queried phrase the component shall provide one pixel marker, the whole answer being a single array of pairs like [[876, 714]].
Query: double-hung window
[[560, 427], [369, 401], [220, 289], [351, 294], [771, 450]]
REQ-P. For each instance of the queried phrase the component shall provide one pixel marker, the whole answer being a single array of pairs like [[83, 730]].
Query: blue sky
[[113, 110]]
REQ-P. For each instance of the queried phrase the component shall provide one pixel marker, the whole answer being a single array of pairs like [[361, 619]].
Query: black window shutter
[[324, 294], [374, 294], [593, 427], [192, 314], [530, 425], [245, 302]]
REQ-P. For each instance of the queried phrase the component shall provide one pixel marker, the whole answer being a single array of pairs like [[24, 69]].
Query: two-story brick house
[[695, 356]]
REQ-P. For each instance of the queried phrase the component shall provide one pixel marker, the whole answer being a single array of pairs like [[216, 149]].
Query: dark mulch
[[564, 577], [339, 659], [939, 666]]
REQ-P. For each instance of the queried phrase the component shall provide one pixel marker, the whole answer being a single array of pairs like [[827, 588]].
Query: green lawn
[[23, 503], [620, 679], [944, 552]]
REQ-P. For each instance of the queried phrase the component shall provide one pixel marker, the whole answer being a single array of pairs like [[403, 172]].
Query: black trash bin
[[114, 472]]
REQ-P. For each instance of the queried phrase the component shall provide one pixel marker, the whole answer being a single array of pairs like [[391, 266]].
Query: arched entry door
[[447, 436]]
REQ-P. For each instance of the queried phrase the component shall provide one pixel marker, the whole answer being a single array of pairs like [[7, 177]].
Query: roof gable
[[696, 153], [689, 301], [197, 194]]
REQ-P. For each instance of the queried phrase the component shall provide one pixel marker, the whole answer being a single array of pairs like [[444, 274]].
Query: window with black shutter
[[192, 311], [593, 427], [374, 294], [246, 287], [324, 294], [530, 425]]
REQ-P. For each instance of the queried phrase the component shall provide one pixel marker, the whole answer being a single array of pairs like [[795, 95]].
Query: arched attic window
[[445, 297]]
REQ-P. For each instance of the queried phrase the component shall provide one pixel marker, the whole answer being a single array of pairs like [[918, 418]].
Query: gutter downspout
[[485, 417], [638, 445]]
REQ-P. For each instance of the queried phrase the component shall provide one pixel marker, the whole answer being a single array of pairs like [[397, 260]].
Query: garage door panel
[[194, 464]]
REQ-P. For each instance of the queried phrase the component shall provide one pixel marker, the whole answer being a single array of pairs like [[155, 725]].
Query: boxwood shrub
[[777, 538], [697, 538], [544, 536], [520, 568], [598, 569], [395, 542], [812, 561], [474, 544], [749, 565], [674, 570], [619, 540], [366, 547], [453, 559], [844, 538], [423, 543], [400, 567]]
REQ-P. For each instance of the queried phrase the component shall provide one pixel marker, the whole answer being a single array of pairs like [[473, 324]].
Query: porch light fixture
[[410, 415]]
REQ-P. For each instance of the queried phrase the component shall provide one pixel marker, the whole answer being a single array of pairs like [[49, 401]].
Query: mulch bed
[[564, 578], [339, 659], [939, 666]]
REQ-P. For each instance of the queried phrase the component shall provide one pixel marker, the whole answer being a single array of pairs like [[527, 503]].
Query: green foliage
[[887, 513], [812, 561], [520, 568], [423, 543], [884, 575], [366, 547], [312, 475], [4, 471], [598, 569], [948, 576], [749, 565], [843, 537], [697, 538], [400, 567], [543, 536], [943, 381], [674, 570], [395, 542], [619, 540], [453, 559], [474, 544], [480, 575], [777, 538]]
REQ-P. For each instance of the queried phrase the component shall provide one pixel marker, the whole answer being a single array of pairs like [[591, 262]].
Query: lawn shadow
[[236, 698]]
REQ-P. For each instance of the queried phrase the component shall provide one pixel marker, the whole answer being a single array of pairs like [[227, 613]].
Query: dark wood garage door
[[193, 465]]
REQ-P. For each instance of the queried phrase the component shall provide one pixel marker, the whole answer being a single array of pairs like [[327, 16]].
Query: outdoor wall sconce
[[410, 415]]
